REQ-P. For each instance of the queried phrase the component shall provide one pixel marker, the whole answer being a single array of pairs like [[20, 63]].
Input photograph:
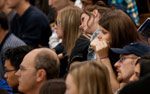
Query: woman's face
[[59, 29], [104, 35], [71, 86], [87, 23]]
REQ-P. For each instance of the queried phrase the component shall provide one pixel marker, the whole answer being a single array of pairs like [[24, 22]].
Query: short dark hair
[[49, 62], [3, 21], [16, 55], [55, 86]]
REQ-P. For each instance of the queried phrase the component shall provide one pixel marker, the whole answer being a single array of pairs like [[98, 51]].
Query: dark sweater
[[32, 27]]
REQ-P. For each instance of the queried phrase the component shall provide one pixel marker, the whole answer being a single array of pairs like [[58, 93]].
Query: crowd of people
[[73, 47]]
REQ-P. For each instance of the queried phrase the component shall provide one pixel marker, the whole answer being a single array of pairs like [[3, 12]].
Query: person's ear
[[41, 75]]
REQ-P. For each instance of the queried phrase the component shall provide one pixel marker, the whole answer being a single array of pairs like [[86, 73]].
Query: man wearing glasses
[[38, 66], [12, 59], [129, 55]]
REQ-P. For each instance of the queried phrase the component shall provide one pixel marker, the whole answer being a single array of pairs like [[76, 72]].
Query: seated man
[[38, 66], [128, 58], [125, 66], [12, 59]]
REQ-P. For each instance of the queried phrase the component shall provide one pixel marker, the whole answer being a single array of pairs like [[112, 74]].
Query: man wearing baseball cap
[[128, 58]]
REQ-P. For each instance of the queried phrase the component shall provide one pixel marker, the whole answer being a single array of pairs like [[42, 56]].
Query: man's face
[[27, 74], [125, 67], [10, 76], [13, 3]]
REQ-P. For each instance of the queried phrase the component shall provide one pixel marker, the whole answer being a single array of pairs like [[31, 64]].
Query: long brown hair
[[91, 77], [123, 31], [70, 22]]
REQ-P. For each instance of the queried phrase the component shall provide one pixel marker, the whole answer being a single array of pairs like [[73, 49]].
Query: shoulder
[[14, 40]]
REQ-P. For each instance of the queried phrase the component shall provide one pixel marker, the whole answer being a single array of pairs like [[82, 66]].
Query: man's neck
[[22, 8], [35, 90], [2, 35]]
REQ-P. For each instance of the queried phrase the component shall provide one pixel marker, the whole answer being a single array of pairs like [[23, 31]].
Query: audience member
[[95, 81], [38, 66], [67, 29], [12, 59], [129, 55], [58, 5], [90, 25], [29, 24], [55, 86]]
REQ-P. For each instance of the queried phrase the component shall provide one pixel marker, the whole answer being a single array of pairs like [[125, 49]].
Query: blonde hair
[[70, 22], [91, 78]]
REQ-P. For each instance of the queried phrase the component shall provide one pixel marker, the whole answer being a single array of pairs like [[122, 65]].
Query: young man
[[128, 58], [29, 23], [12, 60], [38, 66]]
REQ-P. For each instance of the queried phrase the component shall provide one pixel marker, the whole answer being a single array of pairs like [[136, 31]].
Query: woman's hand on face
[[100, 47]]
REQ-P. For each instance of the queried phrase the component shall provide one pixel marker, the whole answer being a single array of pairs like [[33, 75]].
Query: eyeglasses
[[21, 68], [6, 70], [58, 22], [122, 59]]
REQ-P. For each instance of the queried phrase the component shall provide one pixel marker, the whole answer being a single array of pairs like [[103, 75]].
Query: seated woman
[[67, 29], [117, 30], [88, 77]]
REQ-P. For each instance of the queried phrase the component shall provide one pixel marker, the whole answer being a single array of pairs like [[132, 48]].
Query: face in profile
[[27, 74], [70, 84], [125, 67], [87, 23], [105, 35], [58, 28], [9, 75]]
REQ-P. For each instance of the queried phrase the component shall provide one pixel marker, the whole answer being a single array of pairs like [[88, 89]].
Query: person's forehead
[[8, 63], [28, 60]]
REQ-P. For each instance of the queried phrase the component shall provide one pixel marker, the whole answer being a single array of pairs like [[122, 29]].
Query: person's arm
[[101, 49]]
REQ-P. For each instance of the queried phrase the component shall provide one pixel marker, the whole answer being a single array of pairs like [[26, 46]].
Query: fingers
[[98, 45]]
